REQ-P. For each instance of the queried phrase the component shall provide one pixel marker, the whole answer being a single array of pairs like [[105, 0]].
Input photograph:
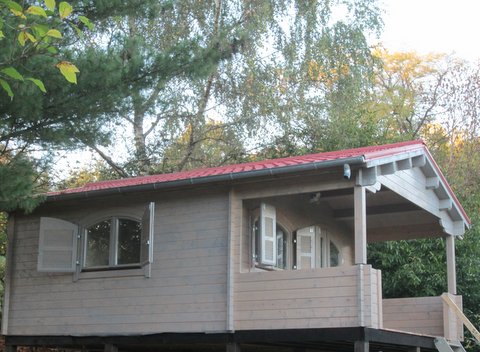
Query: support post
[[451, 270], [361, 346], [360, 213]]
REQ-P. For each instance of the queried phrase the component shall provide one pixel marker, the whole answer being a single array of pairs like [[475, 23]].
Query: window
[[281, 247], [315, 249], [334, 255], [112, 242], [306, 248]]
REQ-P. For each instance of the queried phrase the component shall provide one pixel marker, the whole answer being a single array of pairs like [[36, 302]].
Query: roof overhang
[[406, 168], [428, 189]]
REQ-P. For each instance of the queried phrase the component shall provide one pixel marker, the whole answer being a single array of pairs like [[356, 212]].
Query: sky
[[424, 26], [448, 26]]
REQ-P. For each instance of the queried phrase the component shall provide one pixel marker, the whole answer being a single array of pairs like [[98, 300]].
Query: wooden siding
[[316, 298], [186, 292], [421, 315]]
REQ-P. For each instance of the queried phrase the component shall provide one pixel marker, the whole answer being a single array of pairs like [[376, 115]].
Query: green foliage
[[17, 180], [414, 268], [27, 31], [243, 65]]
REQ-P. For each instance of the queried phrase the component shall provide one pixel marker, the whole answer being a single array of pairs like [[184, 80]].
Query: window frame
[[113, 245], [256, 246], [322, 244]]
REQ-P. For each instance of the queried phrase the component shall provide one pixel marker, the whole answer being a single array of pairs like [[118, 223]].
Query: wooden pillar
[[451, 271], [361, 346], [360, 213]]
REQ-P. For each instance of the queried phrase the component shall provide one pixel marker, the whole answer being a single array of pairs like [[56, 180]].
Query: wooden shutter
[[146, 246], [268, 230], [57, 248], [306, 248]]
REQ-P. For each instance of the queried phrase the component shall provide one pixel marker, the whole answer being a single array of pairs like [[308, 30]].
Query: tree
[[31, 37], [241, 64], [448, 122], [30, 30]]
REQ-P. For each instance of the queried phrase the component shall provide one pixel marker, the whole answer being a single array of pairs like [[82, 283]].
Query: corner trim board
[[8, 273]]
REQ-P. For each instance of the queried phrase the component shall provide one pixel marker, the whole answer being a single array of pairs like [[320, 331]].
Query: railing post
[[361, 294]]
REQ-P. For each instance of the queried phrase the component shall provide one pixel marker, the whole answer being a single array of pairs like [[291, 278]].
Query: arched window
[[113, 242], [282, 247], [334, 255]]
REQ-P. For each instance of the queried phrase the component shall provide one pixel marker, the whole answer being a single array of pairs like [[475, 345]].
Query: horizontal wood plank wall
[[289, 299], [422, 315], [186, 292]]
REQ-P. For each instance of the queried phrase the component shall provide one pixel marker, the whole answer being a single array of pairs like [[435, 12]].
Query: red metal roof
[[368, 153]]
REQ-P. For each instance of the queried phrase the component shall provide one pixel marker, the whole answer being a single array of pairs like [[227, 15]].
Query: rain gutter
[[233, 176]]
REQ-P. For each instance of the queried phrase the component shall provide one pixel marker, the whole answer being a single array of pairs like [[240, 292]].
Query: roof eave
[[276, 171]]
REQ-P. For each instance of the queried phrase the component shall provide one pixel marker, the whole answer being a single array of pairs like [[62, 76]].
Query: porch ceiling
[[389, 216]]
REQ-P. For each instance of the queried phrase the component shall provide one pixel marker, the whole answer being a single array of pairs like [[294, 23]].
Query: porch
[[338, 297]]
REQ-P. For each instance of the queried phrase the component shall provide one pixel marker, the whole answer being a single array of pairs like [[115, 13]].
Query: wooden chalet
[[261, 256]]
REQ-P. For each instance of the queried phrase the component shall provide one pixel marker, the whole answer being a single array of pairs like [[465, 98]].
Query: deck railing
[[317, 298], [422, 315], [344, 296]]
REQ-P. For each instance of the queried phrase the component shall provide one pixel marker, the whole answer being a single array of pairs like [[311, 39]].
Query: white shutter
[[146, 241], [57, 247], [306, 248], [268, 230]]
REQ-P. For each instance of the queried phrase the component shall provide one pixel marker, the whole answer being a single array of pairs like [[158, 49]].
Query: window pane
[[98, 244], [129, 233], [334, 255], [281, 249]]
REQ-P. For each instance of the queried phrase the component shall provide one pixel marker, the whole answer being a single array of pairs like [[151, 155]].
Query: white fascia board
[[411, 159], [394, 158]]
